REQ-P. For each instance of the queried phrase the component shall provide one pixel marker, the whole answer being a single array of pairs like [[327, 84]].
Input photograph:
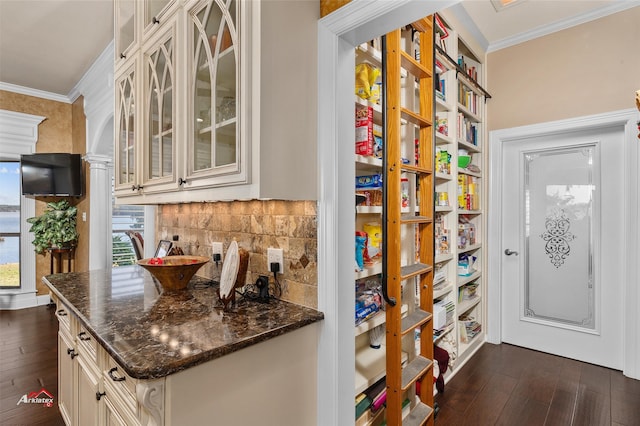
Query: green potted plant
[[55, 228]]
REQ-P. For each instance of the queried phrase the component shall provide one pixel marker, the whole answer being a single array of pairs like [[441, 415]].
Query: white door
[[562, 252]]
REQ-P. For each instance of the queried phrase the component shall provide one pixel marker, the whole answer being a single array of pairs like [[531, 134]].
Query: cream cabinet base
[[271, 383]]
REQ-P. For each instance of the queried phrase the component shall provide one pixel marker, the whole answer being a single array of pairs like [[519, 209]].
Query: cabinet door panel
[[159, 111], [153, 9], [126, 131], [214, 88], [125, 18], [87, 402], [65, 379]]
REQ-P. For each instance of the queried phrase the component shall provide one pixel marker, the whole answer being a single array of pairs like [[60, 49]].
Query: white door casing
[[338, 34], [619, 211]]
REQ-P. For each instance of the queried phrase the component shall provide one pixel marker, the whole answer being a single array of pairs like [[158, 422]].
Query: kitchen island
[[176, 358]]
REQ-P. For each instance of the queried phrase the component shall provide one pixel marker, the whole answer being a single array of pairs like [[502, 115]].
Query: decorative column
[[100, 174], [97, 88]]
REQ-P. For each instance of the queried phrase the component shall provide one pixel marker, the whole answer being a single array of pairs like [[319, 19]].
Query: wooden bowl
[[175, 272]]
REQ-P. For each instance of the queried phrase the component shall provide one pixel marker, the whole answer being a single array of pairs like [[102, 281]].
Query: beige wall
[[588, 69], [63, 130], [79, 146], [256, 225]]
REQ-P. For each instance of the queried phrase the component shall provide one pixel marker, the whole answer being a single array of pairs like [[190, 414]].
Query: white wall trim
[[592, 15], [19, 130], [34, 92], [631, 274], [97, 87], [631, 282], [338, 34], [19, 135]]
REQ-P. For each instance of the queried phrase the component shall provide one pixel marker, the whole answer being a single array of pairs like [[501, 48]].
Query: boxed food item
[[364, 130], [369, 181], [377, 140], [372, 197]]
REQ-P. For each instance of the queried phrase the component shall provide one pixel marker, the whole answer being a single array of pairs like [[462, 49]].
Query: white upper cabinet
[[216, 100]]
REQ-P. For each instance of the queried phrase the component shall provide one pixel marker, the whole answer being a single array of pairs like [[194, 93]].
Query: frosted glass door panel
[[561, 196]]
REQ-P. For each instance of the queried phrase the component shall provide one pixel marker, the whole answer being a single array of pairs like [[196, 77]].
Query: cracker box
[[364, 130]]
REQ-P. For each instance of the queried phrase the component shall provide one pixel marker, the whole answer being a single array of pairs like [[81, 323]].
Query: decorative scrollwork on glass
[[557, 237]]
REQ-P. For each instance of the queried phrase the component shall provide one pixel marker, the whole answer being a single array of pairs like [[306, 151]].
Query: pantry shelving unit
[[460, 218], [404, 216]]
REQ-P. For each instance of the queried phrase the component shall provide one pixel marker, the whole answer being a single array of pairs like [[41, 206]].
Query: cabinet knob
[[62, 313], [100, 395], [83, 336], [155, 20], [122, 56], [136, 187], [181, 181], [72, 353], [114, 377]]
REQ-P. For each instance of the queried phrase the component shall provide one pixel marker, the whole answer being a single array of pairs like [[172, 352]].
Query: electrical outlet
[[216, 248], [275, 255]]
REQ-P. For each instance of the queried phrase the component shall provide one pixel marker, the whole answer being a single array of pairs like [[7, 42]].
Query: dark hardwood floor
[[501, 385], [509, 385], [28, 363]]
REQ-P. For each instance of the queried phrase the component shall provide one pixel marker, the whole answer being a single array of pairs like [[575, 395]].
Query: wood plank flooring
[[501, 385], [509, 385], [28, 363]]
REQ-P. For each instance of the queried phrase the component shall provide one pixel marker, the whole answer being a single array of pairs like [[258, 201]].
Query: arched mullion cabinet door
[[125, 179], [159, 113], [215, 150]]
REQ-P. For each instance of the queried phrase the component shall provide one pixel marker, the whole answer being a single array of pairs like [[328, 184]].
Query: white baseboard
[[22, 300]]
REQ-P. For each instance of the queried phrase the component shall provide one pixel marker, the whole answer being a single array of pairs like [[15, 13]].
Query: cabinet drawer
[[64, 318], [118, 382], [88, 345]]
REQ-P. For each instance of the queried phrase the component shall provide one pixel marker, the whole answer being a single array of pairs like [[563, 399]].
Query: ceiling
[[48, 45]]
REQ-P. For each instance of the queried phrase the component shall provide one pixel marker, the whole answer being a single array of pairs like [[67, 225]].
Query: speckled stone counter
[[153, 334]]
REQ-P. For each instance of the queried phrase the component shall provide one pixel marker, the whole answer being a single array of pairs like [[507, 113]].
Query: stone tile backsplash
[[256, 225]]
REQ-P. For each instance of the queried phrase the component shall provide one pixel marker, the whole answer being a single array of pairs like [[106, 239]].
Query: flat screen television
[[52, 174]]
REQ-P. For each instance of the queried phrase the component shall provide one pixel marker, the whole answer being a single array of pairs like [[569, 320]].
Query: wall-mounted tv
[[52, 174]]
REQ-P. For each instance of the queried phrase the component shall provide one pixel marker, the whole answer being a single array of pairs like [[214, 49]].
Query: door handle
[[509, 252]]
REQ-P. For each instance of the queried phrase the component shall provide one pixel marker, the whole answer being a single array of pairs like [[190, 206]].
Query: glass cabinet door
[[214, 86], [152, 11], [125, 16], [159, 110], [125, 127]]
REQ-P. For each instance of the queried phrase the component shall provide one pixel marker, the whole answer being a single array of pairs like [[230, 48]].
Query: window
[[10, 224], [127, 234]]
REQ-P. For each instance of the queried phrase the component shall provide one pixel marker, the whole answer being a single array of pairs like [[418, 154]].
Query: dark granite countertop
[[153, 334]]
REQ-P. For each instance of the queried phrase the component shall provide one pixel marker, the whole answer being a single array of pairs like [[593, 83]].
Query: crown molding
[[34, 92], [93, 81], [19, 130], [564, 24]]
